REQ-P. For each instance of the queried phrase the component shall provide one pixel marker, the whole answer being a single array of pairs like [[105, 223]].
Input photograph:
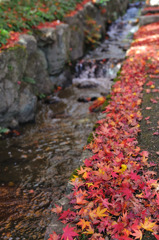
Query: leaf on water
[[153, 100], [150, 83], [156, 133], [147, 118]]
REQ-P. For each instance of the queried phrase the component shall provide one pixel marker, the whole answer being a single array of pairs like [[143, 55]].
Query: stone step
[[151, 10], [144, 20]]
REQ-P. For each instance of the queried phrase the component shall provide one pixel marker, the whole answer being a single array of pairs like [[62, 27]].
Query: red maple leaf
[[127, 192], [68, 233], [134, 176], [150, 83], [156, 236], [64, 214], [157, 199]]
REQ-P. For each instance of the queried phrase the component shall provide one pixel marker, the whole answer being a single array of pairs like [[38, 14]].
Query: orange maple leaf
[[83, 223], [57, 209]]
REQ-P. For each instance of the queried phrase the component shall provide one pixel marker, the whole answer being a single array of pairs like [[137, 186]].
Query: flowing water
[[36, 165]]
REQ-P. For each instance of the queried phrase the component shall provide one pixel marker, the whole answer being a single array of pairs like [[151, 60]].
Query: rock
[[14, 123], [144, 20], [54, 226], [56, 48], [29, 42], [91, 11], [64, 79], [85, 83], [18, 103], [104, 83], [152, 11], [36, 69], [115, 8], [12, 66], [52, 99], [76, 43], [27, 105], [45, 36]]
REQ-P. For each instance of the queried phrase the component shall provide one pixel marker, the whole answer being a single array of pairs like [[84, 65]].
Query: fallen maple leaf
[[54, 236], [137, 234], [153, 100], [148, 225], [147, 118], [156, 236], [57, 209], [90, 230], [156, 133], [64, 214], [68, 233], [83, 223], [100, 212], [148, 90], [150, 83]]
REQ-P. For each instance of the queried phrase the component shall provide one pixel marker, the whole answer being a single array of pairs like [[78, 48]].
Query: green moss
[[17, 47], [74, 173], [90, 138], [3, 131], [29, 80], [106, 103], [83, 237], [95, 126], [41, 96], [10, 67]]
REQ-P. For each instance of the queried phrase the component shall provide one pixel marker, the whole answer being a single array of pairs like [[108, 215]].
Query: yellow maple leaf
[[89, 184], [90, 230], [100, 212], [148, 224], [93, 214], [74, 178], [123, 168]]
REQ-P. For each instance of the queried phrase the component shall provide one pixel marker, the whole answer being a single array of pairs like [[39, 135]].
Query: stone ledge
[[144, 20]]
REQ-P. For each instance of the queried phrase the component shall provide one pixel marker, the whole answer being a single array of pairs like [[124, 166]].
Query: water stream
[[35, 166]]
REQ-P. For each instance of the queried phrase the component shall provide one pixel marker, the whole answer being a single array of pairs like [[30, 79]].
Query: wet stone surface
[[36, 165]]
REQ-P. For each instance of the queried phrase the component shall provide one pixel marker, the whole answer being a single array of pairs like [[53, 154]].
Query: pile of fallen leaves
[[115, 193]]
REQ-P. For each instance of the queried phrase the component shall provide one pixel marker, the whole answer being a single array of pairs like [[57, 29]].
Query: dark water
[[35, 166]]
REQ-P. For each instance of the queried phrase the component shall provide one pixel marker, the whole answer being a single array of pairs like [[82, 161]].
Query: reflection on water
[[35, 166]]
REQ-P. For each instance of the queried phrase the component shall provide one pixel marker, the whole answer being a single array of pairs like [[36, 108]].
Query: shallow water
[[35, 166]]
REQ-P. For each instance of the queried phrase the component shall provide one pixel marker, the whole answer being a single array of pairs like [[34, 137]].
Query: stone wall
[[41, 61]]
